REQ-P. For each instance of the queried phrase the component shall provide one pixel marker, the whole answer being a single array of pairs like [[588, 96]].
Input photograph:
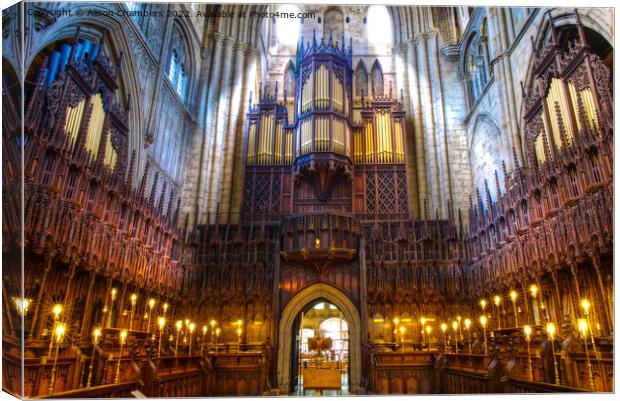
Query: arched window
[[289, 80], [476, 65], [377, 79], [361, 79], [177, 65], [287, 29], [334, 24], [379, 28]]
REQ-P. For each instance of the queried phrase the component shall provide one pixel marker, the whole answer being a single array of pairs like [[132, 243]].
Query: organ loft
[[354, 200]]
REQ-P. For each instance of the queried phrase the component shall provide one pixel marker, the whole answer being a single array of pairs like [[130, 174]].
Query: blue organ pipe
[[53, 66], [65, 51]]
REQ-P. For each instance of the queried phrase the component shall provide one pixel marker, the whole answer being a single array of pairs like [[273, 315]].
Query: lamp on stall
[[467, 325], [422, 321], [528, 331], [428, 333], [59, 332], [217, 338], [402, 337], [122, 339], [551, 335], [483, 304], [458, 319], [534, 291], [113, 296], [212, 330], [96, 335], [179, 326], [444, 327], [585, 305], [513, 298], [148, 322], [583, 330], [162, 323], [56, 311], [202, 343], [192, 327], [456, 326], [22, 304], [483, 323], [497, 300], [134, 298]]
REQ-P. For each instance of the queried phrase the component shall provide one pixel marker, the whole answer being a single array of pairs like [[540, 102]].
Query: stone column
[[415, 112], [445, 187], [428, 120], [402, 84], [207, 151], [249, 80], [231, 148], [191, 187], [221, 126]]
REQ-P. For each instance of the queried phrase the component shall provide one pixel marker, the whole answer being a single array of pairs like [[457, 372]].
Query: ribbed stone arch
[[295, 306]]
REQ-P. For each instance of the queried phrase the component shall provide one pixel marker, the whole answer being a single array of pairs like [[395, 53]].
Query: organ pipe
[[251, 142], [110, 152], [95, 127], [398, 138], [73, 121]]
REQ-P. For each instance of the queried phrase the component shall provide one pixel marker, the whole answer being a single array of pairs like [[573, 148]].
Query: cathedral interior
[[224, 200]]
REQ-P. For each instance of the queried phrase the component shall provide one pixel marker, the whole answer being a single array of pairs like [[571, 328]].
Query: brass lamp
[[96, 335], [551, 335]]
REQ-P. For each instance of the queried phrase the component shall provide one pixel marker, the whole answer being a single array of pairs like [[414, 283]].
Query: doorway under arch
[[296, 305]]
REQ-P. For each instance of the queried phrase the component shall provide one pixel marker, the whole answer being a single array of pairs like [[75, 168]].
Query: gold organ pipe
[[73, 121], [369, 142], [251, 142], [110, 153], [93, 135], [288, 153], [539, 148], [278, 144], [398, 136]]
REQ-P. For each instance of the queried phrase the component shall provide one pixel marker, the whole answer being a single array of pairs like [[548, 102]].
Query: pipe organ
[[324, 150]]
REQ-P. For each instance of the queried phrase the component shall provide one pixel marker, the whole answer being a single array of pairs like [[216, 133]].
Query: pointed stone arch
[[376, 75], [298, 303], [361, 79]]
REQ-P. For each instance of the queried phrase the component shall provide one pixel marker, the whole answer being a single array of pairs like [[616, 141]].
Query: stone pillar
[[221, 126], [445, 187], [428, 120], [415, 112], [402, 84], [207, 151], [249, 80], [192, 180], [231, 146]]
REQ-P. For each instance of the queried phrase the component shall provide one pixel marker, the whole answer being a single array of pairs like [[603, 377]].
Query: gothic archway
[[285, 327]]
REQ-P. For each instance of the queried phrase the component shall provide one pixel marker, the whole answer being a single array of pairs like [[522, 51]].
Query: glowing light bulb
[[57, 310], [533, 290], [60, 331], [497, 300], [133, 298], [528, 331], [204, 330], [151, 303], [179, 325], [483, 303], [585, 304], [161, 322], [551, 330], [123, 336], [583, 327], [513, 295], [467, 323], [444, 327], [483, 320]]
